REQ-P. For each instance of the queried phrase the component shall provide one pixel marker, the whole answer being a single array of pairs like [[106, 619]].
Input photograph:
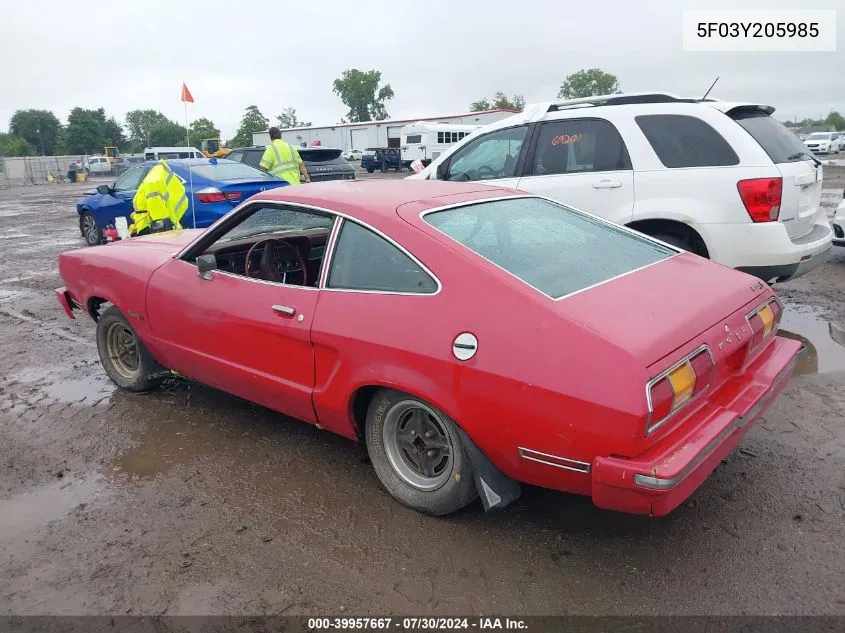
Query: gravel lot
[[189, 501]]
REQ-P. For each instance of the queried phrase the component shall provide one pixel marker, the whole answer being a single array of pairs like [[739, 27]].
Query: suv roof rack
[[617, 99]]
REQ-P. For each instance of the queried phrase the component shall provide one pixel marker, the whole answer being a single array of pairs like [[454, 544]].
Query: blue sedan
[[215, 187]]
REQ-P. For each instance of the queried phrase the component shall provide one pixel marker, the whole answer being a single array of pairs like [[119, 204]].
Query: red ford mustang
[[473, 337]]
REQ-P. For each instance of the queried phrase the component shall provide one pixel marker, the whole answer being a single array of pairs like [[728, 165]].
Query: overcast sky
[[438, 56]]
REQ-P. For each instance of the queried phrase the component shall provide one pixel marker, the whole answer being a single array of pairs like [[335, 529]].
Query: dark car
[[382, 158], [322, 163]]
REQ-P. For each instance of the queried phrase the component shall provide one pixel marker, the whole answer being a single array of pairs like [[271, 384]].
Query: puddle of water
[[805, 323], [26, 513], [86, 390]]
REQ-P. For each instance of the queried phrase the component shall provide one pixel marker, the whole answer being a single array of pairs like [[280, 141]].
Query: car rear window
[[231, 171], [556, 250], [774, 137], [680, 141]]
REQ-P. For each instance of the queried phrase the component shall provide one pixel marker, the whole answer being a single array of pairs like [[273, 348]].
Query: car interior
[[276, 244], [285, 256]]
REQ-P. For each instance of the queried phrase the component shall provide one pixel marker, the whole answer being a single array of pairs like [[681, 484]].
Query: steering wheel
[[274, 261], [485, 171]]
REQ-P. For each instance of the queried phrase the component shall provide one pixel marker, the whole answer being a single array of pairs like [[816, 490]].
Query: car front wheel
[[123, 355], [90, 229], [417, 454]]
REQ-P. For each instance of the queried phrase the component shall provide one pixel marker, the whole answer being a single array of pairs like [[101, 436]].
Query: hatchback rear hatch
[[233, 182], [801, 172], [325, 163]]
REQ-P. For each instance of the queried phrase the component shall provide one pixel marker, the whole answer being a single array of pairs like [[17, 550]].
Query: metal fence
[[37, 170]]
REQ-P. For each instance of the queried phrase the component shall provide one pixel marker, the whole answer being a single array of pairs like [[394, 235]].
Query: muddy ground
[[189, 501]]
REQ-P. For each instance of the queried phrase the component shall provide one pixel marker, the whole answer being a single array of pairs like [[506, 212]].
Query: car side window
[[493, 155], [236, 156], [680, 141], [131, 180], [363, 260], [579, 145]]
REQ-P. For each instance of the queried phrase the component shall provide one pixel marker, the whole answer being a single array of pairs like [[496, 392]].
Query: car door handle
[[607, 184], [284, 310]]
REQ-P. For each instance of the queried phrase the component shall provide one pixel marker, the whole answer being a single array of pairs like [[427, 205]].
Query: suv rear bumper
[[765, 250]]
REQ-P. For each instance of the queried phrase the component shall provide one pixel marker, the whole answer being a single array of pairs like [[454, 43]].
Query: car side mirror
[[205, 264], [104, 189], [442, 170]]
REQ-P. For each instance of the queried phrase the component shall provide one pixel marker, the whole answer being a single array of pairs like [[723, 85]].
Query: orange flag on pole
[[187, 97]]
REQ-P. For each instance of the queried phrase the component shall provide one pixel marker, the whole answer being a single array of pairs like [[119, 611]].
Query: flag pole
[[190, 171]]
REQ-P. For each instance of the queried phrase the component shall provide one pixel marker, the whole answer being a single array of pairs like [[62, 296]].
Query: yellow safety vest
[[282, 160], [160, 196]]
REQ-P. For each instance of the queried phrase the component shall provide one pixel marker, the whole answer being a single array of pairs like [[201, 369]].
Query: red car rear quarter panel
[[537, 380]]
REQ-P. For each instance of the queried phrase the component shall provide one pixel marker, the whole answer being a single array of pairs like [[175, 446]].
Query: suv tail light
[[764, 322], [213, 194], [761, 197], [678, 386]]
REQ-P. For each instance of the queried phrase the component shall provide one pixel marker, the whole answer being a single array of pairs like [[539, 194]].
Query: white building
[[361, 136]]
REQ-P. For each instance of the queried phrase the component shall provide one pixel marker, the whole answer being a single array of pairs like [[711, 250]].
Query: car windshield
[[819, 136], [231, 171], [273, 219], [556, 250]]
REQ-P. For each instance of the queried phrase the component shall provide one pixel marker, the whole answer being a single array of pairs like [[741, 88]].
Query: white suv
[[723, 180]]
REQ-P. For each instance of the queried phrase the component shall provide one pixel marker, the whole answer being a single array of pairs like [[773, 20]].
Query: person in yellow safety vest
[[282, 160], [160, 202]]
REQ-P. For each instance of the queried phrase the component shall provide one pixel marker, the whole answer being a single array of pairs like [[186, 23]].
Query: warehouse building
[[360, 136]]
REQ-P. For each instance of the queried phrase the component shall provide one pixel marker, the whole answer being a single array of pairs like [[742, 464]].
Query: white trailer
[[426, 141], [360, 136]]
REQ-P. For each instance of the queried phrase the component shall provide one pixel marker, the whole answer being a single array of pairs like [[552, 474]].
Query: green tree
[[40, 128], [288, 119], [836, 120], [167, 133], [590, 82], [200, 129], [11, 145], [500, 101], [360, 92], [113, 134], [84, 133], [140, 124], [252, 121], [482, 105]]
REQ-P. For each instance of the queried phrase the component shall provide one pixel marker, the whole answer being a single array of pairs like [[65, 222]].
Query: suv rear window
[[780, 144], [321, 155], [550, 247], [680, 141]]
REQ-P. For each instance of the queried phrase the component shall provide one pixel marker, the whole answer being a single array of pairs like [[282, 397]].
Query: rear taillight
[[764, 322], [761, 197], [678, 386], [212, 194]]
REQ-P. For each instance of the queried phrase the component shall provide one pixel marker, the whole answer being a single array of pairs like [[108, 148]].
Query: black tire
[[136, 370], [91, 231], [450, 489], [675, 240], [370, 170]]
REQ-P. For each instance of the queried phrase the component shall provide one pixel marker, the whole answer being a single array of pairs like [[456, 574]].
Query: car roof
[[184, 163], [377, 202]]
